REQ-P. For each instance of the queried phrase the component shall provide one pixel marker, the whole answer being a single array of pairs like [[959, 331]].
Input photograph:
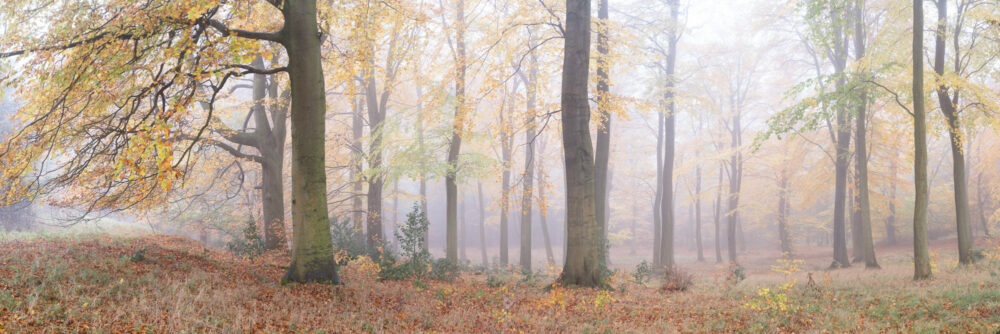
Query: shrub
[[416, 260], [736, 274], [249, 243], [642, 272], [443, 270], [675, 279], [348, 242]]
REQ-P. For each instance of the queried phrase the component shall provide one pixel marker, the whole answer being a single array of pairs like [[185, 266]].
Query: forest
[[522, 166]]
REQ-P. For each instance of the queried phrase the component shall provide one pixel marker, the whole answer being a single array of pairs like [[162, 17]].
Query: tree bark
[[783, 234], [667, 206], [951, 113], [734, 183], [843, 140], [423, 176], [530, 86], [921, 256], [357, 166], [981, 205], [462, 235], [376, 116], [697, 213], [482, 226], [861, 151], [718, 205], [549, 256], [582, 265], [890, 222], [603, 150], [312, 248], [658, 197], [458, 131]]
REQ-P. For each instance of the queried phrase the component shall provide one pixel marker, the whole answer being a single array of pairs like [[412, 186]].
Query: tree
[[458, 131], [921, 256], [667, 204], [531, 89], [861, 150], [178, 40], [582, 265], [603, 150], [948, 100]]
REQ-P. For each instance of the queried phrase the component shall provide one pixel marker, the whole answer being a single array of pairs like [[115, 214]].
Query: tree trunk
[[890, 222], [734, 185], [667, 206], [530, 87], [482, 226], [506, 143], [783, 234], [549, 256], [461, 235], [423, 176], [948, 108], [861, 152], [603, 151], [981, 205], [697, 213], [921, 256], [312, 248], [718, 205], [455, 146], [658, 198], [376, 182], [357, 188], [582, 266], [838, 57]]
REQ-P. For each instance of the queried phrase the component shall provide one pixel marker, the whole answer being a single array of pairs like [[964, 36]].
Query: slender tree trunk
[[423, 176], [783, 233], [462, 235], [357, 166], [635, 216], [948, 108], [981, 205], [658, 198], [890, 222], [312, 248], [507, 142], [531, 88], [667, 206], [458, 131], [582, 265], [549, 256], [921, 256], [861, 151], [734, 185], [718, 202], [482, 226], [838, 57], [603, 151], [697, 213], [376, 183]]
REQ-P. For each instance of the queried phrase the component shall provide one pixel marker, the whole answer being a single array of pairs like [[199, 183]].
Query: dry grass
[[92, 284]]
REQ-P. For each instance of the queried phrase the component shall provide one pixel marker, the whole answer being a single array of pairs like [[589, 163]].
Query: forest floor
[[158, 283]]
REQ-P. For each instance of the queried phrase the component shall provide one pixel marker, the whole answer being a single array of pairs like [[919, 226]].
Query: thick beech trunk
[[312, 249], [582, 265]]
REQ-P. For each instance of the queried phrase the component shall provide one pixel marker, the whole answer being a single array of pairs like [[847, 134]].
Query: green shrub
[[249, 243], [443, 270], [642, 272], [415, 260], [736, 274]]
